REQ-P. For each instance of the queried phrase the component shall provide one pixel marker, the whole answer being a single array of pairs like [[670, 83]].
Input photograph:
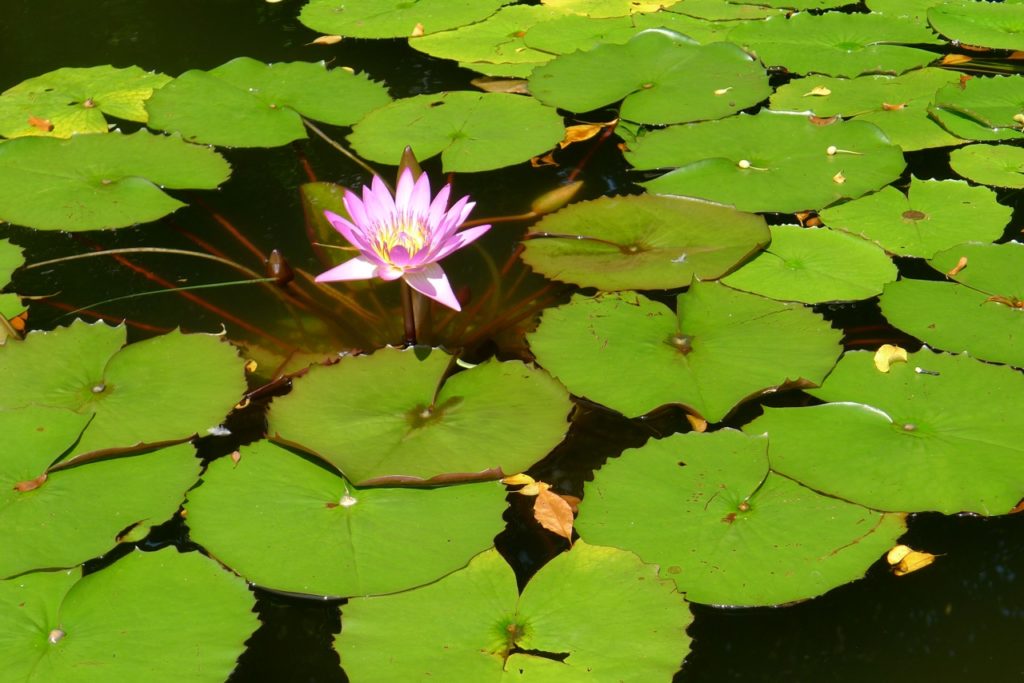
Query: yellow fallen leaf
[[818, 91], [250, 366], [955, 59], [518, 479], [553, 513], [417, 31], [960, 265], [516, 86], [699, 424], [541, 161], [904, 560], [839, 178], [534, 489], [887, 354], [326, 40], [894, 107], [579, 133], [722, 91]]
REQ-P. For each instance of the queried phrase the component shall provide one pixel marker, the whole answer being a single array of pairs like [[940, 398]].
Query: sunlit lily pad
[[837, 44], [985, 24], [642, 242], [471, 131], [998, 165], [119, 624], [288, 523], [795, 4], [710, 513], [933, 215], [983, 316], [246, 103], [571, 32], [907, 440], [814, 266], [769, 162], [989, 108], [10, 260], [395, 416], [718, 11], [160, 390], [597, 9], [100, 181], [725, 346], [74, 514], [662, 77], [548, 633], [896, 104], [67, 101], [914, 10], [394, 18]]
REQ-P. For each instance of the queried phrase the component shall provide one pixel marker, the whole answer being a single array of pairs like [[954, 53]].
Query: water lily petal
[[419, 202], [350, 232], [356, 209], [404, 189], [459, 240], [399, 256], [430, 281], [359, 268], [388, 272], [438, 208], [378, 202], [451, 221]]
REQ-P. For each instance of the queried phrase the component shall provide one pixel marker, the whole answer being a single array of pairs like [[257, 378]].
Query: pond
[[699, 377]]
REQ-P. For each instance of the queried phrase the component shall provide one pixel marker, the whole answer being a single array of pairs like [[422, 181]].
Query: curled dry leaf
[[955, 59], [903, 559], [541, 161], [417, 31], [893, 107], [326, 40], [887, 354], [553, 513], [518, 480], [960, 265], [44, 125], [515, 86], [839, 178], [818, 91], [30, 484], [580, 132], [699, 424]]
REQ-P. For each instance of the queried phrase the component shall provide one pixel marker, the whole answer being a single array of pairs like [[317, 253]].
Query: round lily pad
[[246, 103], [661, 76], [548, 633], [998, 165], [933, 215], [837, 44], [571, 32], [74, 514], [10, 260], [396, 416], [717, 11], [769, 162], [597, 9], [160, 390], [708, 510], [164, 616], [290, 524], [471, 131], [100, 181], [814, 265], [984, 24], [642, 242], [67, 101], [394, 18], [982, 108], [725, 346], [920, 437]]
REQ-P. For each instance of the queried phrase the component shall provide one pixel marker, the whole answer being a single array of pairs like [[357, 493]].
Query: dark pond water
[[961, 620]]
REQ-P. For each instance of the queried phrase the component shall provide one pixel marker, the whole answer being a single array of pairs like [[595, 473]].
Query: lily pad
[[287, 523], [988, 108], [813, 266], [160, 390], [933, 215], [571, 32], [74, 514], [471, 131], [724, 347], [546, 634], [246, 103], [795, 4], [985, 24], [394, 18], [998, 165], [769, 162], [67, 101], [708, 510], [717, 11], [10, 260], [100, 181], [907, 440], [661, 76], [176, 617], [642, 242], [597, 9], [837, 44], [395, 416], [982, 316]]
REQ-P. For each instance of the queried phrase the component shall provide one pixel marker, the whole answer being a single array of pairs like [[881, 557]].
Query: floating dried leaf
[[546, 160], [822, 120], [553, 513], [893, 107], [903, 559], [955, 59], [518, 480], [887, 354], [417, 31], [818, 91], [515, 86], [960, 265], [326, 40], [839, 178], [579, 133], [699, 424]]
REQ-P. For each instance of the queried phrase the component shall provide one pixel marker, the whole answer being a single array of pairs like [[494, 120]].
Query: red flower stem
[[235, 232], [409, 314]]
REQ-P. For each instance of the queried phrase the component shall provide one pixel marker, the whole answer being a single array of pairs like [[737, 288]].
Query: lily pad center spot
[[422, 415], [681, 342]]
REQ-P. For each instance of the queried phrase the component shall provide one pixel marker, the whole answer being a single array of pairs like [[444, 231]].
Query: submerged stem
[[409, 314]]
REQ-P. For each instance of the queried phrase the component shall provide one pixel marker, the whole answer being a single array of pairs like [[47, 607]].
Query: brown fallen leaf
[[960, 265], [326, 40], [699, 424], [579, 133], [30, 484], [44, 125], [545, 160], [955, 59], [887, 354], [573, 501], [553, 513], [515, 86], [822, 120], [1016, 55], [893, 107]]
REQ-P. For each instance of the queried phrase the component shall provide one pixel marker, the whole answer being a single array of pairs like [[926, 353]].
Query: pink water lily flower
[[403, 236]]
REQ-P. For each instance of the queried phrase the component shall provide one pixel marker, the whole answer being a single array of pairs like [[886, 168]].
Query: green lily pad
[[984, 24], [981, 316], [896, 104], [718, 11], [642, 242], [598, 9], [77, 513], [983, 108], [287, 523], [164, 616], [769, 162], [914, 10], [724, 347], [10, 260], [67, 101], [837, 44], [571, 32], [160, 390], [246, 103], [795, 4], [710, 513], [933, 215], [814, 266], [998, 165], [547, 633], [471, 131], [661, 76], [394, 416], [907, 440], [100, 181], [394, 18]]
